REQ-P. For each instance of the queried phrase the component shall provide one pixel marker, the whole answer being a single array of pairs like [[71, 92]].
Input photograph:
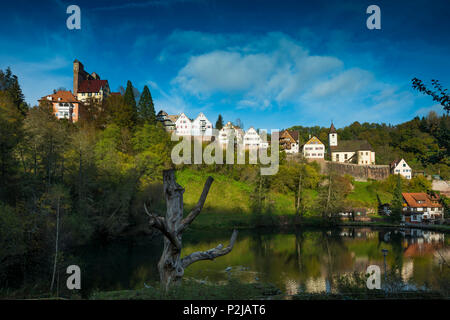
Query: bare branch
[[198, 207], [160, 224], [210, 254]]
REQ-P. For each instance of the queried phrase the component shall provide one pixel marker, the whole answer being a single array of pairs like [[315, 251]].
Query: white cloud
[[423, 112], [348, 82], [277, 71]]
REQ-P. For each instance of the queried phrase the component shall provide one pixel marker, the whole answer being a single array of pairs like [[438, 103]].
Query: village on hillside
[[352, 157]]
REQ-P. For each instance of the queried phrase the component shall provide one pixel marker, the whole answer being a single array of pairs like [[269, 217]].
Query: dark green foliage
[[219, 122], [9, 83], [119, 112], [397, 201], [439, 95], [146, 108], [130, 101], [422, 142]]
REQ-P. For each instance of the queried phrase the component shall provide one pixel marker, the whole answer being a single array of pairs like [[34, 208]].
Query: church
[[350, 151]]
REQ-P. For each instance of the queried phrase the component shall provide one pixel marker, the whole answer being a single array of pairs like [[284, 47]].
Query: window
[[345, 156]]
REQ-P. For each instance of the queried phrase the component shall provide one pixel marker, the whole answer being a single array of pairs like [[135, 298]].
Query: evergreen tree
[[396, 210], [219, 122], [146, 108], [130, 100], [10, 83]]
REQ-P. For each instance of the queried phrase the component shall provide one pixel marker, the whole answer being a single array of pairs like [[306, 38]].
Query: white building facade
[[252, 138], [228, 131], [201, 126], [402, 168], [314, 149], [183, 126]]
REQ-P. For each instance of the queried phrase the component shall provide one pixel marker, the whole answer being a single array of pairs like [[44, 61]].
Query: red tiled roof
[[60, 96], [92, 85], [412, 199]]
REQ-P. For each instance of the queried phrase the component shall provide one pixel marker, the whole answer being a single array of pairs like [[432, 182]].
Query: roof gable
[[314, 140], [421, 200]]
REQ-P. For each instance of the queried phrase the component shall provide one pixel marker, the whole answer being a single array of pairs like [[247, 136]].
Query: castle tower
[[78, 71], [332, 136]]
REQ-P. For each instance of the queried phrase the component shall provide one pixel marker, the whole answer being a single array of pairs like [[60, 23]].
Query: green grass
[[365, 194], [229, 201], [194, 290]]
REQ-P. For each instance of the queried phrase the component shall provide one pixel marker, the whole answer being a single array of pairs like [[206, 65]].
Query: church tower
[[332, 136]]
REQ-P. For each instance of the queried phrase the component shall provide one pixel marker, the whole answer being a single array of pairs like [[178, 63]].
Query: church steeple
[[332, 136]]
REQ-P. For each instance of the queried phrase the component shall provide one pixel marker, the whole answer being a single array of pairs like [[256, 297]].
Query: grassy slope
[[365, 195], [228, 201]]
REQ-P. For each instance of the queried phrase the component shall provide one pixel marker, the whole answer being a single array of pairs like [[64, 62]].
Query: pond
[[298, 261]]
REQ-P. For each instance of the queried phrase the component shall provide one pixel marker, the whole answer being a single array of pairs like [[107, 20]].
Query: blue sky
[[273, 64]]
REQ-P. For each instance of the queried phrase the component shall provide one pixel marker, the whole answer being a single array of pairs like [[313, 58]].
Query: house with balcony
[[289, 141], [168, 121], [422, 208], [65, 105], [202, 127]]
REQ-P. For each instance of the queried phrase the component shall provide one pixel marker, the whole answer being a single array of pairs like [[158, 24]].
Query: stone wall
[[359, 172]]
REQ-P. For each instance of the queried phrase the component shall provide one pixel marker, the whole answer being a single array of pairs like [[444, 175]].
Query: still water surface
[[298, 261]]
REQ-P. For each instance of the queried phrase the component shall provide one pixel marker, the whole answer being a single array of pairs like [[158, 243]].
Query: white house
[[402, 168], [183, 125], [229, 129], [314, 149], [252, 138], [201, 126]]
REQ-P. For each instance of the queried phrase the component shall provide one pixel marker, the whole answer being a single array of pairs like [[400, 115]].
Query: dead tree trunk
[[171, 266]]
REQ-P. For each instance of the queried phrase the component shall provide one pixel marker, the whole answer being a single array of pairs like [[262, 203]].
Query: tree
[[119, 112], [10, 84], [171, 267], [239, 123], [439, 95], [10, 135], [130, 101], [397, 201], [146, 108], [219, 122]]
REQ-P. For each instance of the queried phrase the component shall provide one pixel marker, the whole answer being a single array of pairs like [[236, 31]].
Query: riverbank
[[236, 290], [210, 221]]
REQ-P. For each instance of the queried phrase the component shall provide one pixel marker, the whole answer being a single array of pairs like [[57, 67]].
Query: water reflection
[[306, 260]]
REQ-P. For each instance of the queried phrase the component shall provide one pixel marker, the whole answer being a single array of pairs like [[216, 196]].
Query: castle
[[88, 86]]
